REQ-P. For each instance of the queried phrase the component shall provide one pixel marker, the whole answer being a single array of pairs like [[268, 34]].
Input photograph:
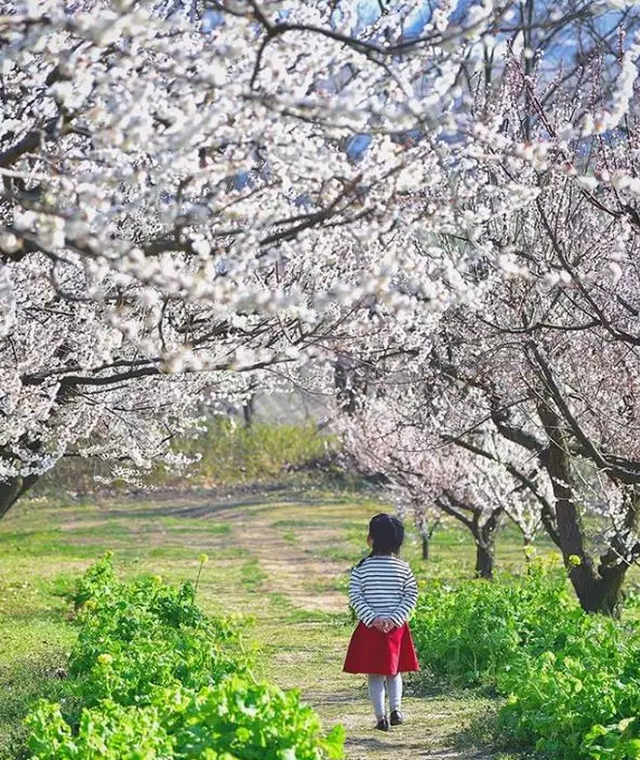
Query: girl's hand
[[383, 625]]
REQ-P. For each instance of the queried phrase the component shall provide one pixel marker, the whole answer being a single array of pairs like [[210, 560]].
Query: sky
[[562, 50]]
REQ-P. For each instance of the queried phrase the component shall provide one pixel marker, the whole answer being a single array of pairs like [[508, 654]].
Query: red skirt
[[374, 652]]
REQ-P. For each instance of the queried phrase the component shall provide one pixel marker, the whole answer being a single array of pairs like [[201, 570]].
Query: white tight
[[376, 692]]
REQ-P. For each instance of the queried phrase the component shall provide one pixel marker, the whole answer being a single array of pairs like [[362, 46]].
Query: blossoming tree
[[195, 194], [428, 476], [181, 206], [548, 351]]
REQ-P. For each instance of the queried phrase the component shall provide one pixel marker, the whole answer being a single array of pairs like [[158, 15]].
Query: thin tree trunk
[[485, 538], [484, 534], [485, 560], [349, 385], [248, 411], [527, 547], [427, 531]]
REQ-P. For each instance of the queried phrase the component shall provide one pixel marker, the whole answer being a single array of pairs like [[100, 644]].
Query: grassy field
[[281, 560]]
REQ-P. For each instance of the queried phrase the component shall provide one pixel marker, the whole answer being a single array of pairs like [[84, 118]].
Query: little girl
[[383, 592]]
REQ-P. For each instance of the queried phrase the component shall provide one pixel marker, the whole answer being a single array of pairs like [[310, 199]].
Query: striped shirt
[[382, 586]]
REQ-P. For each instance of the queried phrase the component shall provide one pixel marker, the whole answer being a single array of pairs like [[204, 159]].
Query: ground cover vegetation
[[511, 668], [569, 679], [151, 676], [424, 213]]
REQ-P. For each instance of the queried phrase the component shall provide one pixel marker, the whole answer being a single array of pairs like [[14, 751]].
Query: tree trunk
[[485, 560], [485, 538], [349, 385], [427, 529], [248, 410], [484, 534], [599, 593], [599, 590], [13, 489]]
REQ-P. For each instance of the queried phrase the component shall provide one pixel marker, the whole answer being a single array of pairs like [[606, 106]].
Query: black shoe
[[383, 724], [396, 718]]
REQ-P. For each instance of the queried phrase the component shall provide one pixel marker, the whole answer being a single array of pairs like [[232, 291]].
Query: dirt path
[[282, 559], [306, 635], [291, 569]]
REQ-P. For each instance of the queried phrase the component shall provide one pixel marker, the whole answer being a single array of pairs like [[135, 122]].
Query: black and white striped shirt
[[382, 586]]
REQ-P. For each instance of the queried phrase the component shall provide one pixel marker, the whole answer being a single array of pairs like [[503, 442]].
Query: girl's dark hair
[[387, 533]]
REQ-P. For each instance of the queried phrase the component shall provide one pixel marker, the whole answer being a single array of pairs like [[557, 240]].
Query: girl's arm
[[407, 601], [356, 599]]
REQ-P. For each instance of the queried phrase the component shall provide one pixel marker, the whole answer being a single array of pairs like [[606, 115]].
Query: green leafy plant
[[465, 634], [571, 681], [246, 720], [570, 703], [620, 740], [107, 731], [157, 678]]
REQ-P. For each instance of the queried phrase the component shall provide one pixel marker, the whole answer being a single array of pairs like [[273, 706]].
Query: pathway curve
[[306, 636]]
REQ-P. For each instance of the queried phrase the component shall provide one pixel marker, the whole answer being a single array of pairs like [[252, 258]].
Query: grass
[[251, 575], [34, 639], [228, 453], [282, 561], [25, 679]]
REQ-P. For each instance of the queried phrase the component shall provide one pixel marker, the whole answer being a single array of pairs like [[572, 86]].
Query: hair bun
[[387, 534]]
